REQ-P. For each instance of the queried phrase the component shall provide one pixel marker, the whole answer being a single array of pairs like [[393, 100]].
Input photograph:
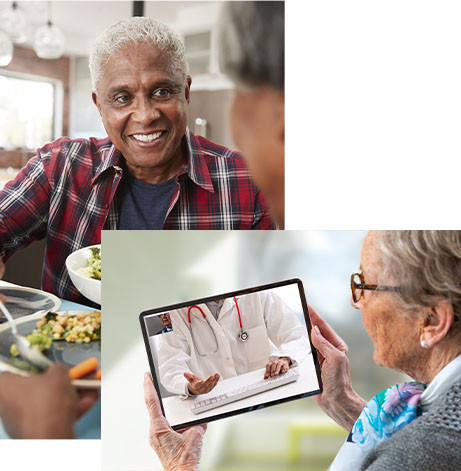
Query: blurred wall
[[85, 121], [214, 106], [25, 267]]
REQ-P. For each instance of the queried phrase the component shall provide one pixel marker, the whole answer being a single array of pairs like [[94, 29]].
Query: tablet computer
[[231, 353]]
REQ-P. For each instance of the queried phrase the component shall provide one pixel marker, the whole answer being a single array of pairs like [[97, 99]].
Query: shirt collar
[[442, 381], [110, 157], [194, 165]]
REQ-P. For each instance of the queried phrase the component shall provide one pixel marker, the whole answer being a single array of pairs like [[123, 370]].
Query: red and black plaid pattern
[[66, 193]]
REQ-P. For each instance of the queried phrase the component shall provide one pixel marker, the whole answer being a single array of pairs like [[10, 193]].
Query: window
[[198, 52], [27, 111]]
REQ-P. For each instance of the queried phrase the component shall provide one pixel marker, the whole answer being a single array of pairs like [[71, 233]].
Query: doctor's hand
[[338, 399], [277, 367], [199, 386], [177, 451]]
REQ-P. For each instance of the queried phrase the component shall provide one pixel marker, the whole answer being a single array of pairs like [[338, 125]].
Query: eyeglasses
[[358, 289], [358, 286]]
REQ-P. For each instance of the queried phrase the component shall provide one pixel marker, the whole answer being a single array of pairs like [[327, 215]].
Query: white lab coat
[[208, 346]]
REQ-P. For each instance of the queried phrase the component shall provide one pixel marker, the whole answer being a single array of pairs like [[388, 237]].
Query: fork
[[25, 349]]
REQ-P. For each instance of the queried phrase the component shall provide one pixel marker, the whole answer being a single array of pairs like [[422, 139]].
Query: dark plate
[[34, 300], [61, 351]]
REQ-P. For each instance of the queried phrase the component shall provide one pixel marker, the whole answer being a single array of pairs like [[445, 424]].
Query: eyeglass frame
[[367, 286]]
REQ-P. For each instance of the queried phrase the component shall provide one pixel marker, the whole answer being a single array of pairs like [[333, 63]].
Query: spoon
[[25, 349]]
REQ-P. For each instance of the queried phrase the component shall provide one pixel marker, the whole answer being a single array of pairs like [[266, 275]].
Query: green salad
[[93, 265]]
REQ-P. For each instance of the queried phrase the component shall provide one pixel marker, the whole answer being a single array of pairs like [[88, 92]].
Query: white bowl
[[89, 287]]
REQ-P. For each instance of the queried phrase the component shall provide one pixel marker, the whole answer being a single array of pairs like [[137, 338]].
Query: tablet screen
[[231, 353]]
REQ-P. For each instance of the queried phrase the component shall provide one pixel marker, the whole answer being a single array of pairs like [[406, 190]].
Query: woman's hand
[[338, 399], [177, 451]]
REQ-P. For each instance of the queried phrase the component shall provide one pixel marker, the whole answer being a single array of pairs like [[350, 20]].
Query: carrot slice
[[98, 374], [83, 368]]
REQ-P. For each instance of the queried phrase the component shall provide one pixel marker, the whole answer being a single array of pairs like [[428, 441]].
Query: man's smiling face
[[144, 104]]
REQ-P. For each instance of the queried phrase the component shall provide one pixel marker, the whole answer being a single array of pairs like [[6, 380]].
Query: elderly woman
[[409, 292]]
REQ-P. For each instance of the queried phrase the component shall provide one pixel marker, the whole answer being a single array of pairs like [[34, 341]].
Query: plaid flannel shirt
[[67, 193]]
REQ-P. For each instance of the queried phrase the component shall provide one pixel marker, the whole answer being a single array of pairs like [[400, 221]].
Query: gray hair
[[425, 264], [136, 30], [252, 43]]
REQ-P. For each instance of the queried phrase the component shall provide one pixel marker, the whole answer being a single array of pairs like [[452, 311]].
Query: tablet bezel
[[222, 296]]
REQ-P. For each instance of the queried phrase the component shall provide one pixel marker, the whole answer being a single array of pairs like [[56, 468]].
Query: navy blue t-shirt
[[144, 205]]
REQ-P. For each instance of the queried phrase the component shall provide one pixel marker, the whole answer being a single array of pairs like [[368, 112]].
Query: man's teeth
[[147, 137]]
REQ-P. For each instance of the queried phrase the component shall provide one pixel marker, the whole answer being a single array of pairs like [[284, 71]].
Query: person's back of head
[[252, 43]]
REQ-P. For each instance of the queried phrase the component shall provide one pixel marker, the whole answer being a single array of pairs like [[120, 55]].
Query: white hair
[[425, 265], [252, 45], [136, 30]]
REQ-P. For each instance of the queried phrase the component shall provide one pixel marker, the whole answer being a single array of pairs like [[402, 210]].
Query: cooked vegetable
[[98, 374], [37, 340], [22, 365], [81, 328], [51, 316], [93, 265], [14, 350], [83, 368]]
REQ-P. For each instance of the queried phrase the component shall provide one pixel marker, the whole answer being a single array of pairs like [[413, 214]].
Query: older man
[[150, 173]]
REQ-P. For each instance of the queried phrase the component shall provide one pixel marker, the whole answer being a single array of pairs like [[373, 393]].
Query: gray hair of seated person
[[424, 265], [252, 43], [132, 31]]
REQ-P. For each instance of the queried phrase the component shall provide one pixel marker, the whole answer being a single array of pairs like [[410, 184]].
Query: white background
[[373, 117]]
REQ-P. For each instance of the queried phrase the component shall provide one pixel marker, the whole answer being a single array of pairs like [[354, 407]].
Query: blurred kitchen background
[[145, 270], [45, 85]]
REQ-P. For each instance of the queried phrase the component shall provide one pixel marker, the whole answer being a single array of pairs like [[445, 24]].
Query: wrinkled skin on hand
[[199, 386], [43, 405], [338, 399], [177, 451], [277, 367]]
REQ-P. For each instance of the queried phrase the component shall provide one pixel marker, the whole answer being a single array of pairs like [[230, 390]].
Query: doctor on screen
[[226, 338]]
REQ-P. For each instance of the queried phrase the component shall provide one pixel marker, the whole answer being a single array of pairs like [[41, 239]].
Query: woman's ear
[[437, 323]]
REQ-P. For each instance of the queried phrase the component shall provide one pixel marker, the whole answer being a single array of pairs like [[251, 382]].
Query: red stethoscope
[[242, 335]]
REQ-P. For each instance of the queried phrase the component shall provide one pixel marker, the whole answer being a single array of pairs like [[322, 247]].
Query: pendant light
[[49, 42], [6, 49], [15, 24]]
